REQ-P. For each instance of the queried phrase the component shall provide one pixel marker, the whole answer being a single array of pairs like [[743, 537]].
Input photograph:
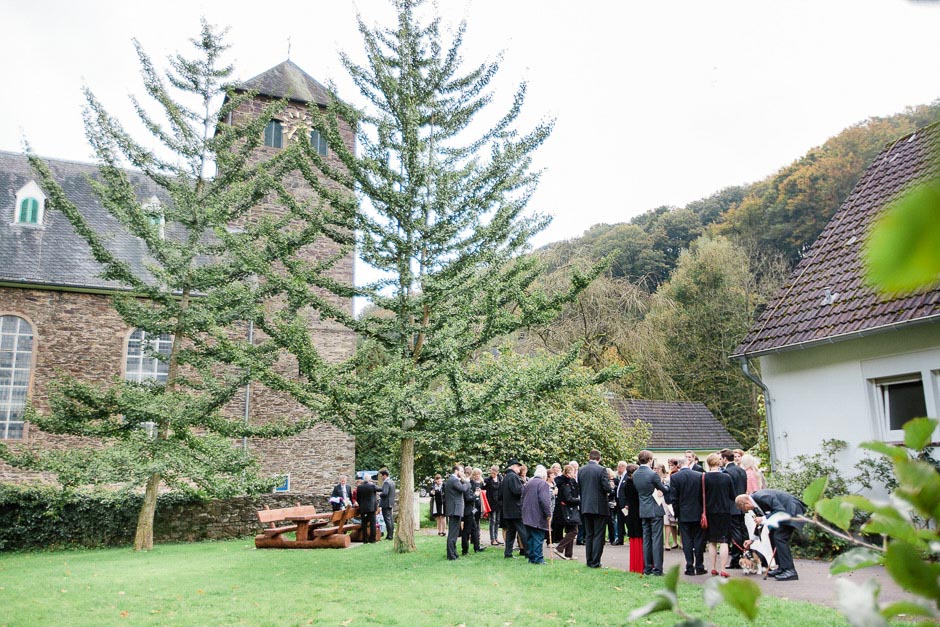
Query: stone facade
[[79, 333]]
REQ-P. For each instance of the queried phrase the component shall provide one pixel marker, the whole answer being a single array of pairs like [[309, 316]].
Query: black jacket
[[510, 496], [719, 493], [739, 478], [685, 494], [595, 488], [365, 496]]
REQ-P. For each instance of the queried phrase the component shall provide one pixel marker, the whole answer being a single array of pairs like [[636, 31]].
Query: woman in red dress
[[634, 527]]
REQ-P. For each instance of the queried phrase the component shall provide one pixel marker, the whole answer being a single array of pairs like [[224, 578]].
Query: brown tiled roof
[[675, 425], [826, 298]]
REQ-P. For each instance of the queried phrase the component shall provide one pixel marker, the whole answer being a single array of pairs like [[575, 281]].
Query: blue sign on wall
[[284, 487]]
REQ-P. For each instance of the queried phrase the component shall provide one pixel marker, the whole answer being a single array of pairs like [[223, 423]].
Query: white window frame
[[883, 372], [30, 190], [146, 366], [15, 371]]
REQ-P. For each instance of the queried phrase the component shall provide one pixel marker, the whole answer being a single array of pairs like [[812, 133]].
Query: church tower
[[315, 458]]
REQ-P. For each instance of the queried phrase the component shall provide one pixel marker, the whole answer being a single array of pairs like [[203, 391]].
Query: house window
[[142, 361], [16, 353], [30, 202], [274, 134], [901, 400], [318, 142], [154, 211]]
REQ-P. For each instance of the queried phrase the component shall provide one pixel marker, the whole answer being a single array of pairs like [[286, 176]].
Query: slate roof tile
[[53, 253], [287, 80], [798, 313], [675, 425]]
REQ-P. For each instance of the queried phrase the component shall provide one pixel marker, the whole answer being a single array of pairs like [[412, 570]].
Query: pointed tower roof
[[287, 80]]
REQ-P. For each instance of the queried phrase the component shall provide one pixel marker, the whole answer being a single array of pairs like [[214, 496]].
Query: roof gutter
[[894, 326], [771, 439]]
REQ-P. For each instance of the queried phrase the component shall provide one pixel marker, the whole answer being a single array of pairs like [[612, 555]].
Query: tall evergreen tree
[[196, 298], [444, 219]]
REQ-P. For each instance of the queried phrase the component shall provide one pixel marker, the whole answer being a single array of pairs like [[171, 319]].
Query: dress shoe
[[561, 555], [689, 572], [786, 575], [701, 571], [657, 573], [773, 572], [479, 549], [725, 574]]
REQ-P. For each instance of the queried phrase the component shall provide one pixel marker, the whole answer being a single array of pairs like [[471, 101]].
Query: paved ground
[[815, 584]]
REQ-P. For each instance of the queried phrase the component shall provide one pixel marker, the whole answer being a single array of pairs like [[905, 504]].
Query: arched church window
[[16, 355]]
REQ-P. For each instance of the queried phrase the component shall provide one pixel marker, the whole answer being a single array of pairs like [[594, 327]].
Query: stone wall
[[81, 335], [219, 520]]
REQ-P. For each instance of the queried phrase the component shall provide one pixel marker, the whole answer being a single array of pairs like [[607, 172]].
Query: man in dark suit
[[768, 502], [621, 499], [387, 502], [596, 487], [341, 497], [685, 494], [365, 496], [738, 529], [510, 499], [693, 460], [646, 480], [455, 488]]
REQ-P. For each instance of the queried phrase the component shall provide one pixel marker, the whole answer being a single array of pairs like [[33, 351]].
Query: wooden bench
[[314, 531], [270, 516]]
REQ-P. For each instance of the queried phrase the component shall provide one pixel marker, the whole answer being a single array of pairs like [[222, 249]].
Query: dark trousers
[[535, 543], [514, 527], [453, 532], [470, 534], [652, 544], [368, 526], [693, 545], [566, 545], [389, 515], [738, 536], [621, 526], [612, 526], [494, 526], [780, 541], [594, 525]]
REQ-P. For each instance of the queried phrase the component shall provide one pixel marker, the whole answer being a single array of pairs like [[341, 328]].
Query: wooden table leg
[[302, 526]]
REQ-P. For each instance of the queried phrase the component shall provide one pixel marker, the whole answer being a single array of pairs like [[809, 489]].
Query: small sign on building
[[285, 486]]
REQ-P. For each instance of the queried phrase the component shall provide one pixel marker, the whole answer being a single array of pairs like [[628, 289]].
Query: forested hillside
[[685, 283]]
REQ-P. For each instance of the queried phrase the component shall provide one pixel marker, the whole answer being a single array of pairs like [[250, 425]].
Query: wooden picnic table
[[305, 522]]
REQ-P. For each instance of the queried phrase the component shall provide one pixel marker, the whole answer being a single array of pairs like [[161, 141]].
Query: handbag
[[704, 522], [485, 505]]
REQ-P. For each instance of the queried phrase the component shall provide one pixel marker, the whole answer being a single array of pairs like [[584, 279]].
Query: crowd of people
[[650, 506]]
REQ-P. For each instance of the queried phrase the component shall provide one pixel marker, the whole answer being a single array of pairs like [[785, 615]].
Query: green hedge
[[45, 517]]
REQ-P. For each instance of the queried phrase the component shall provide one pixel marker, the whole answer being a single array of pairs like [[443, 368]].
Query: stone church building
[[56, 315]]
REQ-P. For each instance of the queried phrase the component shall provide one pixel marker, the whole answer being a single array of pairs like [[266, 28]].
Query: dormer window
[[274, 134], [30, 203], [154, 211], [318, 142]]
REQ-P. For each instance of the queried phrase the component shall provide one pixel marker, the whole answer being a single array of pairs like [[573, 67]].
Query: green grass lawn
[[232, 583]]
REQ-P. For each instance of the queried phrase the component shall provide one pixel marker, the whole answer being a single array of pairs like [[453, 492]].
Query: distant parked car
[[361, 474]]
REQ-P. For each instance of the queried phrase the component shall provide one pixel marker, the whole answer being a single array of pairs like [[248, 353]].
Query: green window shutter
[[29, 211]]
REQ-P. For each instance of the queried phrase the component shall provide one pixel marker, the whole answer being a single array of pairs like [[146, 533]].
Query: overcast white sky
[[657, 102]]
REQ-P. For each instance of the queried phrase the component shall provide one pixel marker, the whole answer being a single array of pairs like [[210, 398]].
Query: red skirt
[[636, 555]]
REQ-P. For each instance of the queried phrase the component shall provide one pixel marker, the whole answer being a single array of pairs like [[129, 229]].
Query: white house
[[837, 360]]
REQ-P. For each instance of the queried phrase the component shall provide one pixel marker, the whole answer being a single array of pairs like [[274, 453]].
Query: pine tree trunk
[[143, 540], [405, 531]]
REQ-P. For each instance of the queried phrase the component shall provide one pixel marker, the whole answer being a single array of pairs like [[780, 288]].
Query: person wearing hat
[[510, 496]]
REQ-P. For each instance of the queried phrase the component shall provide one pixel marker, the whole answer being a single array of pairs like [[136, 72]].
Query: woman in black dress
[[634, 526], [437, 505], [719, 499], [491, 486], [567, 512]]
